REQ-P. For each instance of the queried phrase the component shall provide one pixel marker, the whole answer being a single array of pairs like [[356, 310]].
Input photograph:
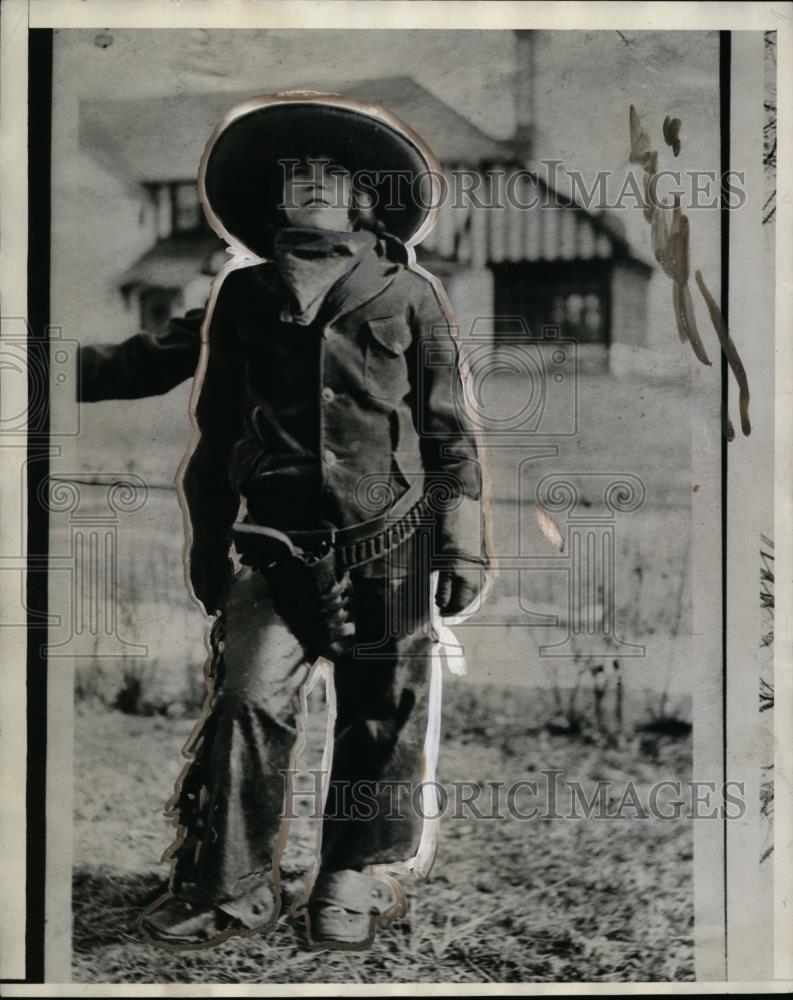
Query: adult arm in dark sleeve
[[147, 364], [450, 456]]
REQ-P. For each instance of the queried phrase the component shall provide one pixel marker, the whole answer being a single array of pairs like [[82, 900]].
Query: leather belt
[[356, 544]]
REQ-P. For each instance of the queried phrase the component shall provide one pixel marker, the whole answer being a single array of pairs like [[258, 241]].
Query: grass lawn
[[509, 900]]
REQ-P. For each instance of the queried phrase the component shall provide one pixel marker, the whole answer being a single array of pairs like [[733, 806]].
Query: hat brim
[[249, 149]]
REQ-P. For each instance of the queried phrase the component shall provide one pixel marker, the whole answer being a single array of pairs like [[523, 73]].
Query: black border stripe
[[725, 66], [38, 305]]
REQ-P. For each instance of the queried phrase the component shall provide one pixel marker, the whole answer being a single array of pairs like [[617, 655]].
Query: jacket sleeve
[[147, 364], [212, 502], [453, 474]]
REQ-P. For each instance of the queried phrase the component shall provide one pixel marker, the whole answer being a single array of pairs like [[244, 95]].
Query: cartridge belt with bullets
[[309, 571], [353, 546]]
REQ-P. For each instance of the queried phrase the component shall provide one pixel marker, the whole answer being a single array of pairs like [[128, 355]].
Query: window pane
[[186, 208], [572, 298]]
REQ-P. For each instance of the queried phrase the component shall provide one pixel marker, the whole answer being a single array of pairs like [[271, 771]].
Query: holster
[[308, 592]]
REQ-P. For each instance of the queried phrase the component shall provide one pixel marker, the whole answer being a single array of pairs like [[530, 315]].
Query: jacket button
[[328, 394], [330, 457]]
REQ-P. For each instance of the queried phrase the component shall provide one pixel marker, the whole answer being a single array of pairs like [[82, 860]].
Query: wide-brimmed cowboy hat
[[244, 163]]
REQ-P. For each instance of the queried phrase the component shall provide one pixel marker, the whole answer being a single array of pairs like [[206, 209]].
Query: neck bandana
[[311, 261]]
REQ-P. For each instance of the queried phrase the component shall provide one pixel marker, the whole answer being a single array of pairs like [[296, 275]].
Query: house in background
[[554, 265], [146, 253]]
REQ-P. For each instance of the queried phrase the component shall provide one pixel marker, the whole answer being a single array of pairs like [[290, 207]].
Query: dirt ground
[[509, 900]]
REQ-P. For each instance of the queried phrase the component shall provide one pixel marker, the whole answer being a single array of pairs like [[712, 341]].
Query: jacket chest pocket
[[385, 370]]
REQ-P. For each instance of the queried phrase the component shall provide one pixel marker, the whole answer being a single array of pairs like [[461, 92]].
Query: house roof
[[173, 262], [162, 138]]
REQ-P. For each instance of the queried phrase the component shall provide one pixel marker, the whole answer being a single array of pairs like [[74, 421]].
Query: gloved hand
[[462, 557], [458, 587]]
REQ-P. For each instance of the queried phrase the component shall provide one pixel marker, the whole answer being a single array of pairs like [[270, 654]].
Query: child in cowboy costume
[[335, 455]]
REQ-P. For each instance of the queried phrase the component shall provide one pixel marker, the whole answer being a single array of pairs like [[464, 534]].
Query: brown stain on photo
[[670, 243]]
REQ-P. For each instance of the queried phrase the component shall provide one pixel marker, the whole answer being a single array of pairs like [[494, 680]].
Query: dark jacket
[[316, 425]]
